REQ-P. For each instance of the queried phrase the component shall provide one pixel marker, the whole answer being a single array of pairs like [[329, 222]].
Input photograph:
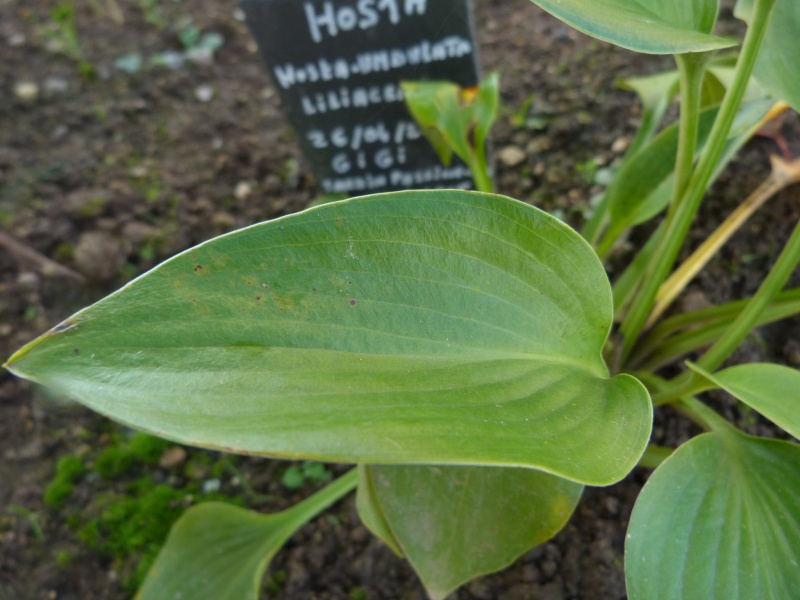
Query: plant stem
[[680, 219], [627, 284], [654, 455], [703, 415], [594, 226], [692, 68], [319, 501], [681, 387], [480, 173]]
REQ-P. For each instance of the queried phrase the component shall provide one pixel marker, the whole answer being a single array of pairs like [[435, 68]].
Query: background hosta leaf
[[217, 550], [656, 93], [644, 184], [772, 390], [652, 26], [777, 68], [456, 523], [439, 327], [718, 520], [455, 119]]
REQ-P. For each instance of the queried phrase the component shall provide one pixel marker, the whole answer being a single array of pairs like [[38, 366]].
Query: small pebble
[[539, 144], [223, 220], [28, 280], [172, 457], [55, 85], [204, 93], [620, 145], [211, 485], [139, 171], [242, 190], [200, 56], [16, 39], [137, 232], [511, 156], [59, 131], [26, 90], [99, 255]]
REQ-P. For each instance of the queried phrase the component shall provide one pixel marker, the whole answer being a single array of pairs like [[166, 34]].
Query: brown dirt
[[110, 176]]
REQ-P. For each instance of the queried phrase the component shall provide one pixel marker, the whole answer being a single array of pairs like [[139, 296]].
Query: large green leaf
[[718, 520], [217, 550], [652, 26], [773, 390], [414, 327], [456, 523], [777, 67]]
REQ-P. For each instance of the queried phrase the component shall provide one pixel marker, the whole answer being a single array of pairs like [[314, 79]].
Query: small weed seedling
[[467, 352], [62, 32]]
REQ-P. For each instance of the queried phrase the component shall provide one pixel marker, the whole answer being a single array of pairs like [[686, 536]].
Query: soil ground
[[110, 175]]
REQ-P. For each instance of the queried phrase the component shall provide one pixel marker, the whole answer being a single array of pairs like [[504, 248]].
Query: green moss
[[136, 524], [113, 462], [197, 467], [147, 449], [89, 534], [119, 457], [64, 252], [63, 558], [131, 523], [218, 468], [68, 469], [358, 593]]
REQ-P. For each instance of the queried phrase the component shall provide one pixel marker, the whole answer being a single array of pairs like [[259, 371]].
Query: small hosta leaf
[[217, 550], [772, 390]]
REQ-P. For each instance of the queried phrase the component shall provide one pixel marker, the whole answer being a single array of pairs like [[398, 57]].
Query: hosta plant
[[457, 120], [468, 353]]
